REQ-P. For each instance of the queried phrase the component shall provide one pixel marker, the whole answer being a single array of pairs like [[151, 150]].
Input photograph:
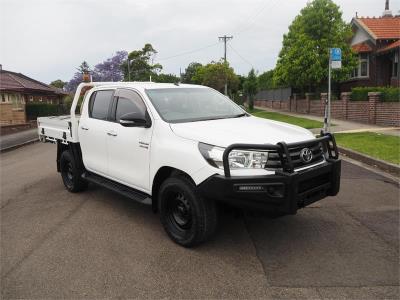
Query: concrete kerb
[[383, 165], [13, 147]]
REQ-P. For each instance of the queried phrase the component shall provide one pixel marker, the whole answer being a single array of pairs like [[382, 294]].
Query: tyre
[[187, 218], [70, 174]]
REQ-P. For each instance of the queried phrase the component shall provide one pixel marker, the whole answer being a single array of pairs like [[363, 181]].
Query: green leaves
[[304, 58], [141, 64], [215, 74], [250, 87]]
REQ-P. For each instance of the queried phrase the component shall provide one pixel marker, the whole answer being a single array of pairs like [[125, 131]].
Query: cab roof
[[145, 85]]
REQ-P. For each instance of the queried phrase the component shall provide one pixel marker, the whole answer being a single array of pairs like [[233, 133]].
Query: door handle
[[84, 128], [112, 133]]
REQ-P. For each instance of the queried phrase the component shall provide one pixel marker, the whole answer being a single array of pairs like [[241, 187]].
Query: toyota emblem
[[306, 155]]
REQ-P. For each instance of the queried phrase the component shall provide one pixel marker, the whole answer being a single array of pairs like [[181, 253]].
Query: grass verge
[[302, 122], [381, 146]]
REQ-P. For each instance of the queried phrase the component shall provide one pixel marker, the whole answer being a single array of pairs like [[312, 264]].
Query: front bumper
[[284, 192]]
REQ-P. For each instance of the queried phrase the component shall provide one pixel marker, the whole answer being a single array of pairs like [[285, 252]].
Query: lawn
[[381, 146], [302, 122]]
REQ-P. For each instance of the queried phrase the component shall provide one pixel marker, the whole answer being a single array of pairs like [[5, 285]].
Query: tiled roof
[[390, 46], [382, 28], [361, 47], [12, 81]]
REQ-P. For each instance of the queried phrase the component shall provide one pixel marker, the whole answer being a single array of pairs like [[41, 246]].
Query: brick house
[[377, 43], [17, 89]]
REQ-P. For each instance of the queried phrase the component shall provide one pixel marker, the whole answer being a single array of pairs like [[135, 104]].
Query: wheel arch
[[162, 174], [75, 149]]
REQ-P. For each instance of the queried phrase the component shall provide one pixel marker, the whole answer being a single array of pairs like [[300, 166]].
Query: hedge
[[388, 94], [34, 110]]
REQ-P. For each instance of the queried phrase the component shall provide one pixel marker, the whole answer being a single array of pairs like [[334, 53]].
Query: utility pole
[[225, 38]]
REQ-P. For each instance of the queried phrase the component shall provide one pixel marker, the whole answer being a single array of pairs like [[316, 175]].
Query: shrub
[[388, 94], [34, 110]]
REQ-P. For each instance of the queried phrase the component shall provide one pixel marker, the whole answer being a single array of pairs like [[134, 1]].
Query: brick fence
[[9, 115], [373, 111]]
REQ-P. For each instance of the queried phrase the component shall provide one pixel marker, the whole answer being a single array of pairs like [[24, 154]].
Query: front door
[[129, 147], [93, 128]]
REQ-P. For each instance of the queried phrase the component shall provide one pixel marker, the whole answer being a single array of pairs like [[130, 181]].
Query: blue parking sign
[[336, 54]]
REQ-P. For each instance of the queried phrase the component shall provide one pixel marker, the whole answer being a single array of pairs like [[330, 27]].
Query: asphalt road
[[100, 245]]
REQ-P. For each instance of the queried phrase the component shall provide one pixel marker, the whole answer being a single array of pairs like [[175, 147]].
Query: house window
[[362, 70], [395, 65], [3, 98], [30, 98], [16, 101]]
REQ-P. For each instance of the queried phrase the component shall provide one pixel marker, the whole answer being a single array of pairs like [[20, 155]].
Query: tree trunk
[[251, 102]]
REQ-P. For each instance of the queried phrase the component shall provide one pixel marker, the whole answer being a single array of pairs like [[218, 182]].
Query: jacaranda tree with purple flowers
[[108, 70]]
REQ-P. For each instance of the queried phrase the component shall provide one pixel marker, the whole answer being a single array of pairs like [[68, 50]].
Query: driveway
[[98, 244]]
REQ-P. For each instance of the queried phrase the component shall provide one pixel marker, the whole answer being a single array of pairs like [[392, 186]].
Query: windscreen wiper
[[240, 115]]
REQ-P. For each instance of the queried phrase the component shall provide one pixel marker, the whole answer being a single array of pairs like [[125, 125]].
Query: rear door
[[129, 147], [93, 128]]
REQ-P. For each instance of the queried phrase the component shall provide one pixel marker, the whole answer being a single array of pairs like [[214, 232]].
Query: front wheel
[[70, 174], [187, 218]]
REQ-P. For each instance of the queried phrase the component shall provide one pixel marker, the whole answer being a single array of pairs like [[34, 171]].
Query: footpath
[[18, 139], [344, 126]]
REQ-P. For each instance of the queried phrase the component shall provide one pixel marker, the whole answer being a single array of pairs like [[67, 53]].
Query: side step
[[118, 188]]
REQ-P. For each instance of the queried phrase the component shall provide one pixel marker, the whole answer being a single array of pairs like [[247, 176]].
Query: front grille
[[274, 161]]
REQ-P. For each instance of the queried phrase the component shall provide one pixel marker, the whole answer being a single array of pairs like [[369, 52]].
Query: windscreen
[[192, 104]]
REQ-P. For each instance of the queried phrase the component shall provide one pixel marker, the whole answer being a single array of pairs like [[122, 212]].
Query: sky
[[48, 39]]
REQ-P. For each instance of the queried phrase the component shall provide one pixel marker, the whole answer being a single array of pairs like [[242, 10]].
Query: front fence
[[372, 111]]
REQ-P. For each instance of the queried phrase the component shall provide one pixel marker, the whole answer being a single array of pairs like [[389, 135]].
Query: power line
[[238, 54], [253, 18], [188, 52]]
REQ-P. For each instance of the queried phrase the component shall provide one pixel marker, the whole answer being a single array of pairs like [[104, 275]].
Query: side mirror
[[135, 119]]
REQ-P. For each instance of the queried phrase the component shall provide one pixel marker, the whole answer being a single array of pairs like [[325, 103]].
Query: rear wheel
[[70, 174], [186, 217]]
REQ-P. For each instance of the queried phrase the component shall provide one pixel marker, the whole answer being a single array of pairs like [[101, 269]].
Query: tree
[[214, 75], [84, 67], [303, 60], [166, 78], [266, 80], [250, 87], [110, 69], [141, 65], [58, 83], [190, 71]]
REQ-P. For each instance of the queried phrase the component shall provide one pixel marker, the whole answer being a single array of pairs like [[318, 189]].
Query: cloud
[[48, 39]]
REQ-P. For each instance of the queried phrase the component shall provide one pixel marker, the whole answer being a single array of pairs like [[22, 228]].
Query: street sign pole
[[329, 94], [335, 62], [327, 100]]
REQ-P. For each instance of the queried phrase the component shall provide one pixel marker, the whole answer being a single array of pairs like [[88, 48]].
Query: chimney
[[387, 13]]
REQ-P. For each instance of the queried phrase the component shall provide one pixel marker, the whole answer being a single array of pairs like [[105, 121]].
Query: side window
[[99, 104], [129, 102]]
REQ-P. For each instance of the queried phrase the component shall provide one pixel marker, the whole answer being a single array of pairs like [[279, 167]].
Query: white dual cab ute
[[184, 148]]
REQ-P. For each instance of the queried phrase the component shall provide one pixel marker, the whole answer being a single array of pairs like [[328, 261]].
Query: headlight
[[238, 159]]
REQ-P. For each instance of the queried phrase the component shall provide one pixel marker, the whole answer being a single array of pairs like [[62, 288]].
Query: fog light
[[275, 190], [251, 188]]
